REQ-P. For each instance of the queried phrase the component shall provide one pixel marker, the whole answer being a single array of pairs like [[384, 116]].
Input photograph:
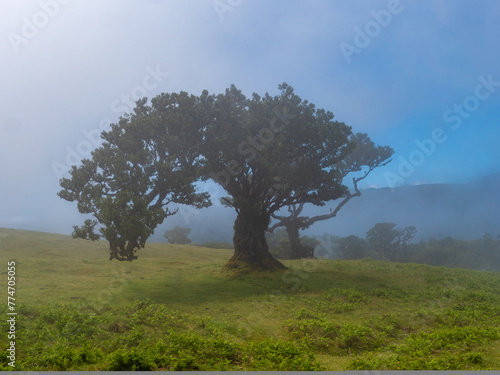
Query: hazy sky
[[420, 76]]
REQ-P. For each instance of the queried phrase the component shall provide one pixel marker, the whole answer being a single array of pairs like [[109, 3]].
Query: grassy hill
[[174, 309]]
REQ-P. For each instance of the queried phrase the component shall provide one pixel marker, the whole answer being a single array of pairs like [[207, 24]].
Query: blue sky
[[70, 67]]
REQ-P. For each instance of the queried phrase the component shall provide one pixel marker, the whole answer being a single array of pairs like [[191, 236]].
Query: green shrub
[[282, 356], [450, 361], [130, 360], [425, 343], [389, 325], [63, 357], [355, 337]]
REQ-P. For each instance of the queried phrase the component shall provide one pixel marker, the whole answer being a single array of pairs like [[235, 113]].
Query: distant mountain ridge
[[464, 211]]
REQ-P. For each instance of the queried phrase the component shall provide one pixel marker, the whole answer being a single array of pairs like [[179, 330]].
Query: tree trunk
[[298, 250], [250, 248]]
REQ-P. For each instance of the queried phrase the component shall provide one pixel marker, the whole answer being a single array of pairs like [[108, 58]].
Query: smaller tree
[[280, 247], [363, 158], [389, 241], [178, 235]]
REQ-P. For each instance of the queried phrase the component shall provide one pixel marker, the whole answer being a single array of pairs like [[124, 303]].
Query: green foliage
[[444, 349], [315, 333], [471, 361], [4, 361], [130, 360], [355, 337], [61, 357], [275, 355], [86, 231], [424, 343]]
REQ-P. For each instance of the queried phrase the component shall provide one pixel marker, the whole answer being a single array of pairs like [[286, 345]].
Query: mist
[[431, 95]]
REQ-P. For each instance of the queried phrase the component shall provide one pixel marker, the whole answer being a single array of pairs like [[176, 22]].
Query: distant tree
[[442, 252], [279, 244], [178, 235], [389, 241], [406, 235], [352, 247], [364, 158]]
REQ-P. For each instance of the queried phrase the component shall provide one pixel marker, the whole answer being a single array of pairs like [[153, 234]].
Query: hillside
[[174, 309]]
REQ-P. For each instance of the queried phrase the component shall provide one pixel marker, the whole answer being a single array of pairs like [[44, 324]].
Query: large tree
[[360, 162], [267, 153]]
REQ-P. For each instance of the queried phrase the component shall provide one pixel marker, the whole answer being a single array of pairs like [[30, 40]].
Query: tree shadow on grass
[[212, 288]]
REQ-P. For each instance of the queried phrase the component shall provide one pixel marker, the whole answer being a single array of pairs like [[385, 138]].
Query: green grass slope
[[174, 309]]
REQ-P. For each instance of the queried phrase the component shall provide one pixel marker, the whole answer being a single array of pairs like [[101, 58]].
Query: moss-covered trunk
[[250, 247]]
